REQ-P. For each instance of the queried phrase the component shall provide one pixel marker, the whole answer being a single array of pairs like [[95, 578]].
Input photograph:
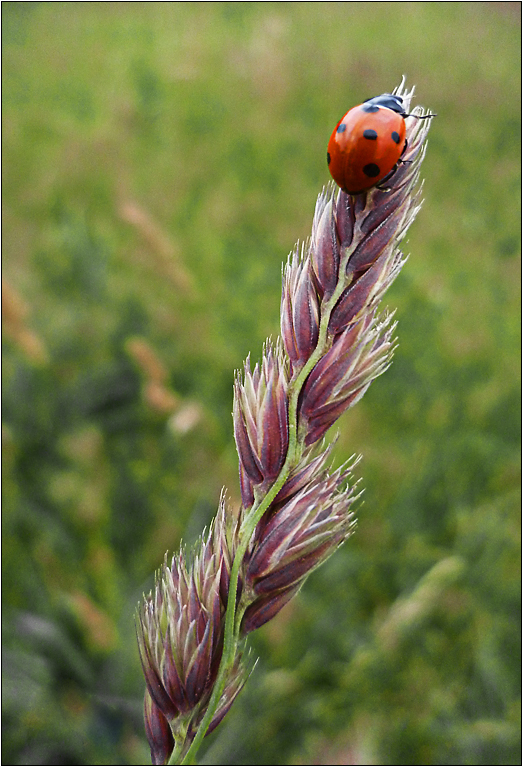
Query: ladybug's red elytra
[[368, 143]]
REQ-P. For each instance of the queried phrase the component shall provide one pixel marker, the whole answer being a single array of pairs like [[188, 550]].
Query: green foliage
[[160, 161]]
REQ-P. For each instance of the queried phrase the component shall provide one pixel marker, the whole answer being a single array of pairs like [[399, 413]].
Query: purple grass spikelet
[[299, 316], [180, 630], [298, 537], [261, 422], [158, 732], [359, 354]]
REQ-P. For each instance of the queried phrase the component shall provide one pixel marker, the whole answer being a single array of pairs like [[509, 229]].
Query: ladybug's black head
[[386, 100]]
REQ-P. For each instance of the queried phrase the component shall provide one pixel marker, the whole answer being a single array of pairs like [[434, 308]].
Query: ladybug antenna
[[422, 117]]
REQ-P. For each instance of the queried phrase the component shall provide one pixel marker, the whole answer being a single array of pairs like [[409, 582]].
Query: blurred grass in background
[[160, 161]]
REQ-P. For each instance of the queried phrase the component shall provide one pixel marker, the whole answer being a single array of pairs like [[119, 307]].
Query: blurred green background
[[160, 160]]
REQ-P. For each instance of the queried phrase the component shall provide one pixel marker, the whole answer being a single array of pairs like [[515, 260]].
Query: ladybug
[[367, 145]]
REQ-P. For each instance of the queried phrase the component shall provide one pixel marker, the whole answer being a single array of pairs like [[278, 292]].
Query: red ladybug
[[367, 144]]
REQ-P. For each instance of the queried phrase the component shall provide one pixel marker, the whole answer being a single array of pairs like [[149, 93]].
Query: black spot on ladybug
[[395, 137], [369, 133], [371, 170], [329, 158], [370, 108], [341, 128]]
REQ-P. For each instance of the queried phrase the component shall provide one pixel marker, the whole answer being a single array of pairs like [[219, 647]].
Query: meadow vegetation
[[160, 160]]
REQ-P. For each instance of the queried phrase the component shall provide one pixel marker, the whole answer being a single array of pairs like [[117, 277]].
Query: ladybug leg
[[387, 177], [394, 170], [400, 160]]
